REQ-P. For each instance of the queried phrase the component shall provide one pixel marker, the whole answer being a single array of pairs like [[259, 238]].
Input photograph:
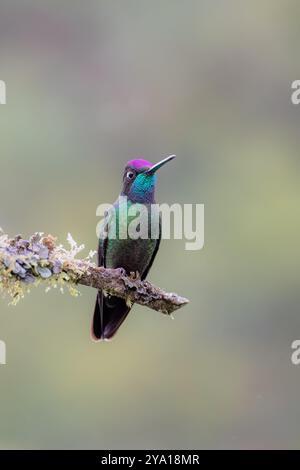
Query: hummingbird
[[133, 255]]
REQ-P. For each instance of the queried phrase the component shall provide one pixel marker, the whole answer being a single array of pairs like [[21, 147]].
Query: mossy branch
[[39, 259]]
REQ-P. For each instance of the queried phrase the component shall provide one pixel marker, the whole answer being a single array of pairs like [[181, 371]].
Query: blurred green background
[[91, 85]]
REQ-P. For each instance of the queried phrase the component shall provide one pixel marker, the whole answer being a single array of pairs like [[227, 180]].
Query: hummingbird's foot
[[135, 276]]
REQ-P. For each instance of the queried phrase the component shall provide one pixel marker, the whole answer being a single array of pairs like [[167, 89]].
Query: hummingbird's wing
[[110, 311], [146, 271], [97, 323]]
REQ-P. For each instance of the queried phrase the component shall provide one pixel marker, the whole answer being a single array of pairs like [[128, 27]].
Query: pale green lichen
[[37, 261]]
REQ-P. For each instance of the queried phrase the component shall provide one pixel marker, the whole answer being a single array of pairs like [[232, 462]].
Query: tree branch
[[29, 262]]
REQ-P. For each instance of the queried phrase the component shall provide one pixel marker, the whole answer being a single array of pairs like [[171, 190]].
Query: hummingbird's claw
[[135, 276]]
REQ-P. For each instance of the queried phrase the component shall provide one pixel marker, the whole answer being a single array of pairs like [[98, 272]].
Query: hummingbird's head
[[139, 179]]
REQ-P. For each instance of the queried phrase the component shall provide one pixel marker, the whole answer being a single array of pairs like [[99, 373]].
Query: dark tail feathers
[[110, 312]]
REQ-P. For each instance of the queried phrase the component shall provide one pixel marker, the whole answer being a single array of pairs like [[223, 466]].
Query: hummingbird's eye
[[130, 175]]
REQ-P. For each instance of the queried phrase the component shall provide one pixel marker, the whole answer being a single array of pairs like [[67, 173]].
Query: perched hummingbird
[[133, 255]]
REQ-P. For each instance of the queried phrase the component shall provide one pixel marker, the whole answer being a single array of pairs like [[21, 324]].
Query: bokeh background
[[91, 85]]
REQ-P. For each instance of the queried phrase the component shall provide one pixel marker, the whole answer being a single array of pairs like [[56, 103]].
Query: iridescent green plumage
[[120, 251]]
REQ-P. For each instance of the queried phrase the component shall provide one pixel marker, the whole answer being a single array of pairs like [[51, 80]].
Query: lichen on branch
[[39, 260]]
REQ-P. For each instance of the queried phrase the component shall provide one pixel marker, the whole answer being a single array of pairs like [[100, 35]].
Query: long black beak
[[158, 165]]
